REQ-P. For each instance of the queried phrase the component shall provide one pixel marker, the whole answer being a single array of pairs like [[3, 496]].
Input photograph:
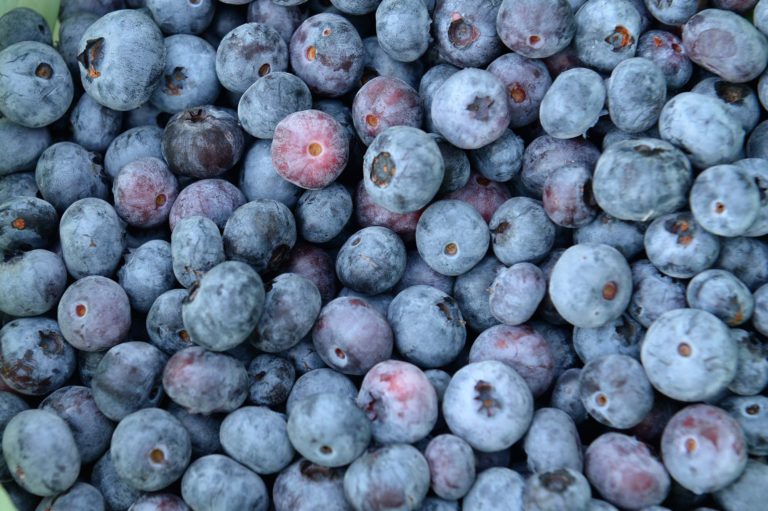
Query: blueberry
[[271, 380], [382, 103], [371, 483], [703, 128], [521, 231], [417, 272], [79, 496], [203, 430], [303, 484], [283, 18], [23, 24], [750, 413], [66, 172], [260, 233], [740, 100], [560, 121], [27, 223], [257, 437], [667, 51], [653, 175], [25, 146], [130, 145], [654, 293], [328, 429], [403, 169], [159, 502], [249, 51], [451, 466], [472, 293], [565, 395], [725, 200], [636, 93], [41, 452], [560, 344], [91, 429], [535, 29], [545, 154], [242, 488], [379, 63], [204, 381], [93, 125], [147, 273], [703, 448], [452, 237], [567, 197], [260, 180], [745, 491], [121, 58], [470, 109], [164, 324], [371, 261], [36, 87], [10, 406], [430, 83], [500, 160], [189, 18], [216, 199], [118, 494], [20, 184], [319, 381], [722, 294], [747, 48], [679, 247], [521, 348], [94, 314], [625, 472], [752, 370], [269, 100], [488, 404], [202, 142], [92, 238], [626, 237], [494, 487], [196, 247], [189, 77], [224, 308], [32, 283], [327, 53], [622, 336], [607, 32], [321, 215], [591, 285], [552, 442], [559, 489], [527, 81], [457, 165], [689, 355], [756, 143], [465, 32], [428, 326]]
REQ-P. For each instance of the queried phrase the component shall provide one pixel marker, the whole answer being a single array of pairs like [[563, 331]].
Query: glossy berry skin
[[404, 487], [465, 32], [591, 285], [403, 169], [399, 401], [337, 339], [606, 32], [318, 381], [384, 102], [271, 380], [327, 53], [242, 488], [92, 238], [560, 489], [303, 484], [41, 452], [722, 294], [725, 200], [144, 192], [34, 357], [744, 49], [128, 360], [535, 29], [654, 177], [328, 429], [470, 109], [204, 381], [36, 87], [451, 237], [625, 472], [703, 448], [32, 282], [428, 326], [315, 264], [310, 149], [260, 233], [150, 449], [750, 413], [689, 355], [527, 81], [121, 58], [667, 51], [66, 172], [567, 197], [256, 437], [552, 442], [402, 29], [451, 466], [202, 142], [90, 428], [521, 231], [215, 199], [249, 51], [679, 247], [488, 404], [94, 314], [371, 261], [615, 391], [574, 120]]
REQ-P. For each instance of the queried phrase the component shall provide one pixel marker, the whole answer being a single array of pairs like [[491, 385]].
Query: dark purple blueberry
[[625, 472], [384, 102], [203, 429], [212, 198], [118, 494], [485, 195], [369, 214], [417, 272], [316, 265], [668, 52], [27, 223], [204, 381], [567, 197], [703, 448], [545, 154], [337, 341], [257, 437], [565, 395], [271, 380]]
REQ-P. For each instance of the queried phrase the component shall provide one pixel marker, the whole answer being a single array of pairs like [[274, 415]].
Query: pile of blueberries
[[368, 255]]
